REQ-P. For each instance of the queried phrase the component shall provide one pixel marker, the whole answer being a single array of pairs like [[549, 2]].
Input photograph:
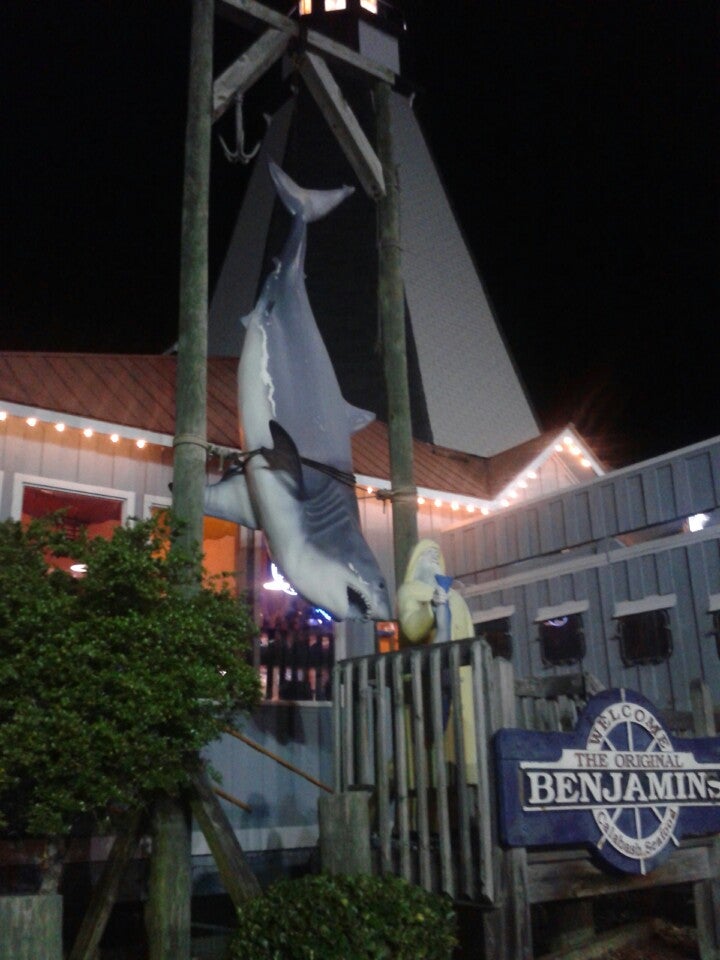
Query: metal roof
[[138, 392]]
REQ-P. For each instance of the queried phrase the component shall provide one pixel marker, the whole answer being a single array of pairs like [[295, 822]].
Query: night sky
[[577, 141]]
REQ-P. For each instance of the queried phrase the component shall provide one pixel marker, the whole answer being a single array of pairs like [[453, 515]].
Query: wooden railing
[[414, 728]]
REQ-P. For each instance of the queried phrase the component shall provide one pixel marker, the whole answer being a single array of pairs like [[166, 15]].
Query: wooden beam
[[343, 122], [237, 877], [104, 894], [314, 40], [247, 69]]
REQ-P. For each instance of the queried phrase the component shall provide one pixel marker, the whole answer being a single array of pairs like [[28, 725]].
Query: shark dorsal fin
[[358, 418], [284, 456]]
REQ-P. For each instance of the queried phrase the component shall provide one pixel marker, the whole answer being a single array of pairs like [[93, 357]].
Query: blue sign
[[619, 783]]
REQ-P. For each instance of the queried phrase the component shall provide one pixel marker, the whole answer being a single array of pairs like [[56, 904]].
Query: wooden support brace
[[104, 895], [247, 69], [343, 123], [237, 877], [314, 40]]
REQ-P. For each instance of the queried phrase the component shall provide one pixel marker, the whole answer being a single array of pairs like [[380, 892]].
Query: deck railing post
[[707, 892], [508, 934]]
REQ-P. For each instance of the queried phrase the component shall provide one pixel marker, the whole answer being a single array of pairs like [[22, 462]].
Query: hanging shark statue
[[296, 483]]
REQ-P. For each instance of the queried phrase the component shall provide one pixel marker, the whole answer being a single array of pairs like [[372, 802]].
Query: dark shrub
[[345, 918]]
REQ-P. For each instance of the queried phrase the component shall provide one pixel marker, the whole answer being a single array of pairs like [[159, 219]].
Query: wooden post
[[167, 917], [345, 833], [31, 927], [391, 310], [191, 388], [707, 892], [170, 875], [508, 932]]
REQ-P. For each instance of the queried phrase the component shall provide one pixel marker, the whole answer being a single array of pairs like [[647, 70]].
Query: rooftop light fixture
[[698, 522]]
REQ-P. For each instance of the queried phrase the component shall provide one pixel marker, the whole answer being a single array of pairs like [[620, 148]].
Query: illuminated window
[[305, 7], [220, 552], [370, 5], [96, 515], [562, 640], [645, 638], [497, 635], [387, 634], [335, 5]]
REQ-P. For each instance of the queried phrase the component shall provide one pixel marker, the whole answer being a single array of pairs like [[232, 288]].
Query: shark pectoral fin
[[229, 499], [284, 456], [358, 418]]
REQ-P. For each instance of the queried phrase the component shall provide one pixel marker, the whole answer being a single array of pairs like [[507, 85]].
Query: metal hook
[[239, 155]]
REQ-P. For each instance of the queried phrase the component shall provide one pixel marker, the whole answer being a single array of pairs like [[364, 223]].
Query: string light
[[568, 445]]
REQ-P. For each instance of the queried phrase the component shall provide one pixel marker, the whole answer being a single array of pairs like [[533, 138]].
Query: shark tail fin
[[309, 205]]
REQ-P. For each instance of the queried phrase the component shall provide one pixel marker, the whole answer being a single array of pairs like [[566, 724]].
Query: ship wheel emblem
[[638, 828]]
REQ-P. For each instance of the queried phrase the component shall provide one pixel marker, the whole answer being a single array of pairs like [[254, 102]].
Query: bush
[[345, 918], [110, 684]]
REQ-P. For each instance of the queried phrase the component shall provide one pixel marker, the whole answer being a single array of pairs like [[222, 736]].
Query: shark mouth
[[359, 603]]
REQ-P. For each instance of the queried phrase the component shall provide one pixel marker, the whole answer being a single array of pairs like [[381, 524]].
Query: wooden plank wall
[[621, 537]]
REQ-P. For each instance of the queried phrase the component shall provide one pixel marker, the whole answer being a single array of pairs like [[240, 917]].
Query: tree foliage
[[109, 684]]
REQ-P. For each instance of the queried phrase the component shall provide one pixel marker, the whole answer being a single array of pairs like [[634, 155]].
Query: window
[[562, 637], [645, 638], [305, 7], [562, 640], [96, 510], [297, 653], [497, 635], [387, 636], [644, 629], [335, 5]]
